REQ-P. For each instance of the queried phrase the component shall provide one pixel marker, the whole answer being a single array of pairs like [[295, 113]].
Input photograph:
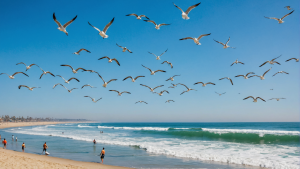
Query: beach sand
[[20, 160]]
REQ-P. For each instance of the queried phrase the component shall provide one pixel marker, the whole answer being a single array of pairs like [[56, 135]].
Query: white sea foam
[[85, 126], [261, 133], [139, 128]]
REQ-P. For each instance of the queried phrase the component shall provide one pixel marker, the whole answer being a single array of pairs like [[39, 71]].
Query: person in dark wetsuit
[[102, 154]]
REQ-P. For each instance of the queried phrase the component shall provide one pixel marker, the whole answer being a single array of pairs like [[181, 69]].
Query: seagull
[[277, 99], [30, 88], [196, 40], [168, 63], [172, 78], [119, 94], [73, 70], [110, 60], [271, 62], [13, 76], [64, 87], [169, 101], [185, 14], [87, 85], [173, 85], [280, 72], [227, 78], [188, 89], [280, 20], [220, 94], [262, 77], [152, 89], [132, 79], [141, 102], [67, 81], [156, 26], [297, 60], [77, 53], [254, 99], [245, 76], [158, 57], [105, 83], [161, 93], [153, 72], [225, 45], [91, 71], [103, 33], [27, 67], [95, 101], [288, 7], [44, 73], [236, 62], [124, 49], [204, 84], [63, 27], [137, 16]]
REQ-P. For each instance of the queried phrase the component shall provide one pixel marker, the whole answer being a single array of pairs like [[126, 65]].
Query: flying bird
[[220, 94], [63, 27], [169, 101], [276, 99], [254, 99], [156, 26], [280, 20], [168, 63], [227, 78], [204, 84], [262, 77], [172, 78], [46, 72], [30, 88], [196, 40], [87, 85], [271, 62], [153, 72], [225, 45], [288, 7], [64, 87], [13, 76], [188, 89], [91, 71], [124, 48], [297, 60], [141, 102], [152, 89], [185, 14], [110, 60], [132, 79], [158, 57], [245, 76], [77, 53], [95, 101], [281, 72], [161, 93], [236, 62], [173, 85], [103, 33], [67, 81], [74, 70], [27, 67], [105, 83], [120, 93], [137, 16]]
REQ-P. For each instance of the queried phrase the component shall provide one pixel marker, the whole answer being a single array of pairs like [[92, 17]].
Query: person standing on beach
[[45, 148], [23, 147], [102, 154], [4, 144]]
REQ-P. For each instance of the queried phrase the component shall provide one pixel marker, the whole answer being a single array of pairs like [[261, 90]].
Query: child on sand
[[4, 144], [23, 147]]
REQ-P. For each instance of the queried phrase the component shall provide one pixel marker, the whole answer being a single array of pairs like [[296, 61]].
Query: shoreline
[[16, 159]]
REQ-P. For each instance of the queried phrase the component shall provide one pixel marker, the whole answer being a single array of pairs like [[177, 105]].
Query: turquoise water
[[168, 145]]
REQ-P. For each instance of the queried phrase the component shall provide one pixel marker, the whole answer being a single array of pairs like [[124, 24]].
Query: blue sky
[[30, 35]]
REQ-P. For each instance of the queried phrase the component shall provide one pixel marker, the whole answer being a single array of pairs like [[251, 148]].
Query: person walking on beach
[[102, 154], [45, 148], [23, 147], [4, 144]]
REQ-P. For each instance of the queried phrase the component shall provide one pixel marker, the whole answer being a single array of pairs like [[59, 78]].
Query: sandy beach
[[14, 159]]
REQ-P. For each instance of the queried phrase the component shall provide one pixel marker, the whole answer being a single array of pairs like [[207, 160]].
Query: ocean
[[168, 145]]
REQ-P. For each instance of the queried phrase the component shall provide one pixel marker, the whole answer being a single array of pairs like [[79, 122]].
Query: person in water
[[94, 141], [4, 144], [23, 147], [45, 148], [102, 154], [16, 138]]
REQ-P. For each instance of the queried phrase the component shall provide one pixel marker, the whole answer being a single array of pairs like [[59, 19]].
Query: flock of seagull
[[196, 40]]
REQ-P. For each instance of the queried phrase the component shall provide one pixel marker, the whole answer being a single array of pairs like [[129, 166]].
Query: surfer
[[94, 141], [102, 154], [23, 147], [4, 144], [45, 148]]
